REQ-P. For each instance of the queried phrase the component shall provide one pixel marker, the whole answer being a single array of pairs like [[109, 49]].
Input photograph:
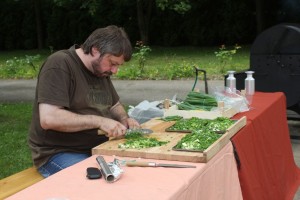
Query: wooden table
[[267, 169]]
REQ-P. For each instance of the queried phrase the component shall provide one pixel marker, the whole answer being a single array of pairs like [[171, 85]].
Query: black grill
[[275, 59]]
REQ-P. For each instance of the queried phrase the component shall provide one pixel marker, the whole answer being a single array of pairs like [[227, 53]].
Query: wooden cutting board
[[165, 152]]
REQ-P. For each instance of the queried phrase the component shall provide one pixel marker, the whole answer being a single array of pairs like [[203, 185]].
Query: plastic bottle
[[231, 82], [249, 86]]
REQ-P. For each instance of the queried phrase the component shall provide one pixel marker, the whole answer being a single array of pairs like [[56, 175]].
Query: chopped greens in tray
[[204, 132], [193, 123], [219, 124], [197, 141], [136, 140], [189, 125]]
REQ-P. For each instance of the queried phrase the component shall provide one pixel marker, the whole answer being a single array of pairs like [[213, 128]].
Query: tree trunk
[[144, 10], [39, 30]]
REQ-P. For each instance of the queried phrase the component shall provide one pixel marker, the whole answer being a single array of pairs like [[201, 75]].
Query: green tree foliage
[[179, 6], [171, 23]]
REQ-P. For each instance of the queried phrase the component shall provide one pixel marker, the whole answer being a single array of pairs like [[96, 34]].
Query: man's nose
[[114, 70]]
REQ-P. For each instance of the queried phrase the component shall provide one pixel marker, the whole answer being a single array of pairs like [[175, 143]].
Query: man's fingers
[[132, 123]]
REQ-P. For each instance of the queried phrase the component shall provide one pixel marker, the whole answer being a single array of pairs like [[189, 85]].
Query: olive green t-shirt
[[65, 81]]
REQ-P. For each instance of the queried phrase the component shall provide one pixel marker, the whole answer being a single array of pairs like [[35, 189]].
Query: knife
[[142, 130], [153, 164], [130, 130]]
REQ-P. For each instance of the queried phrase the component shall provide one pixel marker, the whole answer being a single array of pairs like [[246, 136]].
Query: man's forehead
[[116, 59]]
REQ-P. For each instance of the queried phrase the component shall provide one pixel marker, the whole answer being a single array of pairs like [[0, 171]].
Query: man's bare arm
[[57, 118], [119, 113]]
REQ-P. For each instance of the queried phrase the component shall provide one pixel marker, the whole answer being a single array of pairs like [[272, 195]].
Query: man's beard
[[96, 66]]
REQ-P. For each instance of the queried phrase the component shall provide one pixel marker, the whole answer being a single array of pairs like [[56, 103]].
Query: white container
[[249, 86], [249, 83], [231, 82]]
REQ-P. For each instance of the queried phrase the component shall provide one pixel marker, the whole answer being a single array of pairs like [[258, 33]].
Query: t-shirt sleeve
[[53, 87]]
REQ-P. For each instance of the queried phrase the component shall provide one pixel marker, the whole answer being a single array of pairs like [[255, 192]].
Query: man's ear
[[94, 51]]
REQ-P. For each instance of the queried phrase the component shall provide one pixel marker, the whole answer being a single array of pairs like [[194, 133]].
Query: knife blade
[[153, 164], [142, 130], [130, 130]]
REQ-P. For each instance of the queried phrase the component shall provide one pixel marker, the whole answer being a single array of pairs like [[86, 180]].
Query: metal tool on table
[[105, 170], [110, 171], [153, 164], [130, 130]]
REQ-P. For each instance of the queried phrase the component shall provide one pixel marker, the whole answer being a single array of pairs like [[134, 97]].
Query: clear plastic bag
[[231, 99], [145, 111]]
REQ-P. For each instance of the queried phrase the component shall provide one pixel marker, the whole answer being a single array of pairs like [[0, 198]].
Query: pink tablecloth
[[217, 179]]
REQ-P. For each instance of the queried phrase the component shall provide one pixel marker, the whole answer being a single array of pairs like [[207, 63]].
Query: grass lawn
[[161, 63], [177, 62], [14, 151]]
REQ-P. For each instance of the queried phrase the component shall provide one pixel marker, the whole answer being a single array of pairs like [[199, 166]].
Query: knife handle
[[140, 164], [101, 132]]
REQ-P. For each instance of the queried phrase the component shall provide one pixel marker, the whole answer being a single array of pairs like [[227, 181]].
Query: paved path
[[131, 92]]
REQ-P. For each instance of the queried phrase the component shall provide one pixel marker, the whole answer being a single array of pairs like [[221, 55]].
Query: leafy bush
[[225, 56], [141, 54], [131, 72], [171, 71], [160, 64], [181, 70], [20, 67]]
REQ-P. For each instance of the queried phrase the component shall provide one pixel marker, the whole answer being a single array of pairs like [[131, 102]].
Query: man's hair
[[109, 40]]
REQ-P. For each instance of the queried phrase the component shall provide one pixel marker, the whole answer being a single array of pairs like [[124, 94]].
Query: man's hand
[[119, 113], [112, 128], [130, 123]]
